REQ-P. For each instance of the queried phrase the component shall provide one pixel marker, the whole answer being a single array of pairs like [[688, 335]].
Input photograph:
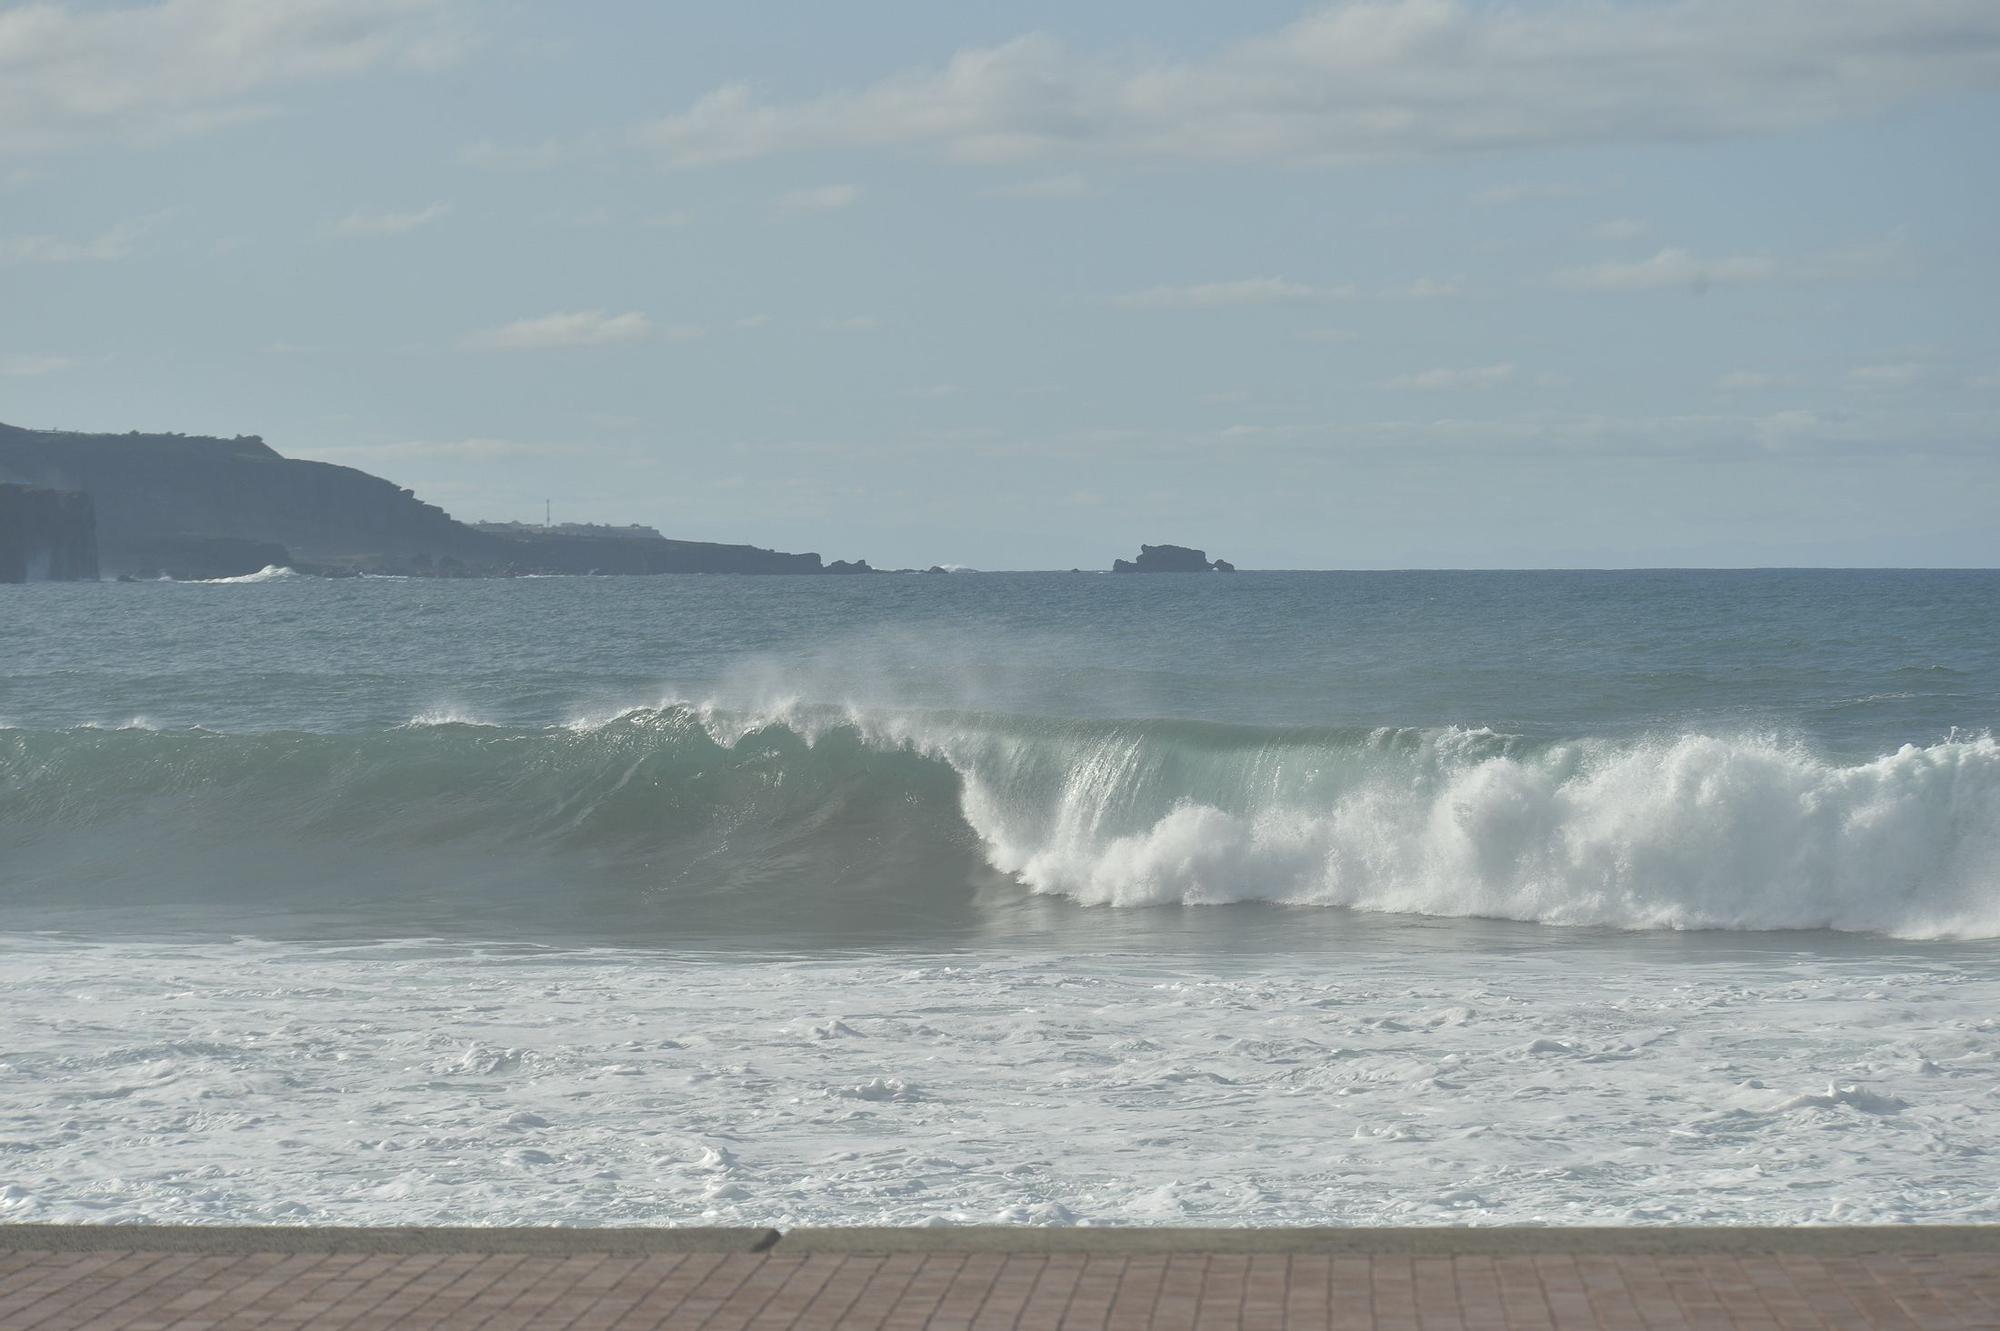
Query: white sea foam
[[423, 1084]]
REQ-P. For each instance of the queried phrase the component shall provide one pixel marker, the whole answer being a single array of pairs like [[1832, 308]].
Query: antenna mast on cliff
[[545, 513]]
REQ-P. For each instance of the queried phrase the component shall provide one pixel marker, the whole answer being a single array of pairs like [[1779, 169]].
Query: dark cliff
[[46, 535], [156, 493], [1171, 559]]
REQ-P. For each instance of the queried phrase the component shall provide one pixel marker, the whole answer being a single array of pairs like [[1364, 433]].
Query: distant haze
[[1408, 283]]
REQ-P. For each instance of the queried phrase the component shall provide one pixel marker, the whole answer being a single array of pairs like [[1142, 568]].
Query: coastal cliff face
[[46, 535], [153, 492], [1171, 559], [156, 493]]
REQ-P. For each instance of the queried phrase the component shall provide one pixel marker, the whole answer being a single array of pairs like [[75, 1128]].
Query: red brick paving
[[49, 1290]]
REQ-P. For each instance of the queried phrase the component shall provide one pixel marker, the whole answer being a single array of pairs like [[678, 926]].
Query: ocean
[[1266, 898]]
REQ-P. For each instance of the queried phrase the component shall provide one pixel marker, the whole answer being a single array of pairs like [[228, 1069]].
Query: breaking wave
[[815, 812]]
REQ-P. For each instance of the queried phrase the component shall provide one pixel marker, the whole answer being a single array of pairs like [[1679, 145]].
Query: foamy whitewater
[[1342, 898]]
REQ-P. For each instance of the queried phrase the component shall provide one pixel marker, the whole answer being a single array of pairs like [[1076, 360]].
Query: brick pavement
[[147, 1279]]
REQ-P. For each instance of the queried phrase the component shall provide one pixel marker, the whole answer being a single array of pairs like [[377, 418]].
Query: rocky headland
[[189, 506]]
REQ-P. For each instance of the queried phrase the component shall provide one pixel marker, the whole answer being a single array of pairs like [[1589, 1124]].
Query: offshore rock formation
[[1171, 559], [46, 535], [154, 493]]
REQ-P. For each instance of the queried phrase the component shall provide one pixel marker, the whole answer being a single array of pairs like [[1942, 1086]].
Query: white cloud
[[819, 199], [1870, 435], [750, 321], [1754, 381], [1368, 79], [578, 328], [1620, 228], [538, 156], [1501, 196], [1675, 267], [1068, 186], [1210, 295], [389, 224], [32, 367], [1437, 381], [105, 247], [1781, 429], [1991, 380], [73, 73], [1672, 268], [1887, 378], [1427, 288]]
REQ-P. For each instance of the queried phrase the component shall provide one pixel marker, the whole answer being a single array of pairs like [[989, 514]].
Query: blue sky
[[1410, 283]]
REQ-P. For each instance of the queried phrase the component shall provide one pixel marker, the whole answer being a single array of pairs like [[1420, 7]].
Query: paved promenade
[[193, 1279]]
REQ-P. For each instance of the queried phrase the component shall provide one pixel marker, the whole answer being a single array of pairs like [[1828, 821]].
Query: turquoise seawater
[[827, 758]]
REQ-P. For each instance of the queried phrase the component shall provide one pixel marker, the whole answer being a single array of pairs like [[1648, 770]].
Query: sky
[[1408, 283]]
